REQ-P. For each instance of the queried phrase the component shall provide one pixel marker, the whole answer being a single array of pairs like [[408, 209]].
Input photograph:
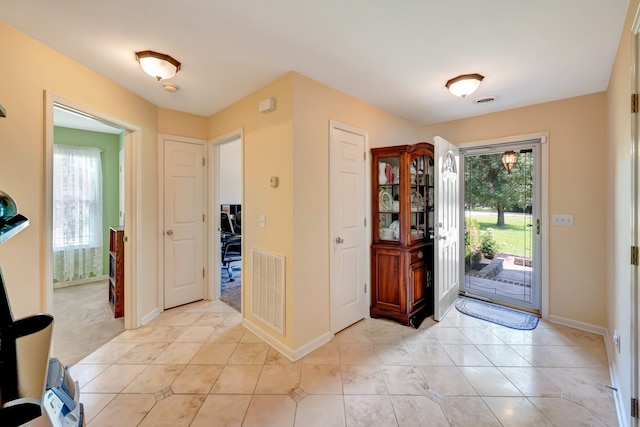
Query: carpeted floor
[[231, 292], [83, 321]]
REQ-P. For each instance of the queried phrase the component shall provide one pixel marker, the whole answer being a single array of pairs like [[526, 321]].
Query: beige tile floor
[[197, 366]]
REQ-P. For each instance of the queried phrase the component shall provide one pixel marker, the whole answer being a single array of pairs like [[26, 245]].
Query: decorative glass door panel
[[419, 184], [389, 198]]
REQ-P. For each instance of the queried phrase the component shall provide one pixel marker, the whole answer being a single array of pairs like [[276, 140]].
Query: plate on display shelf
[[386, 200], [417, 201]]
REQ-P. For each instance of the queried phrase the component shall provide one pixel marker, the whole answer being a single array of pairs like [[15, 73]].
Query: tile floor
[[197, 366]]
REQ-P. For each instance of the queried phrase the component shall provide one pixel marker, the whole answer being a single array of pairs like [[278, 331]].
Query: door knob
[[443, 237], [339, 240], [169, 232]]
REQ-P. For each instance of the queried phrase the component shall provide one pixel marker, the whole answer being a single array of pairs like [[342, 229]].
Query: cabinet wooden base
[[414, 319]]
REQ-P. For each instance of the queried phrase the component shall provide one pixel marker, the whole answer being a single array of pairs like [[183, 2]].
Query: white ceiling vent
[[485, 99]]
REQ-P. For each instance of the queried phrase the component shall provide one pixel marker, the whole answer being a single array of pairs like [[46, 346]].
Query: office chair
[[231, 241]]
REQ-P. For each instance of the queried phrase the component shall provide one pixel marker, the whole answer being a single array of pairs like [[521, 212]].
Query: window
[[77, 212]]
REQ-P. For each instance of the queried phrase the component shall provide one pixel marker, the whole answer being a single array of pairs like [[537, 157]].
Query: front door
[[446, 229], [349, 262], [184, 227], [502, 224]]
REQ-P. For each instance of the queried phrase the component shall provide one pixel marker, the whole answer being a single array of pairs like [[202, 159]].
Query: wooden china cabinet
[[402, 243]]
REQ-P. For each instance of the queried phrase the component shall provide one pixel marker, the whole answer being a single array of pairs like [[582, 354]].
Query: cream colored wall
[[177, 123], [314, 106], [267, 152], [28, 69], [617, 225], [577, 177], [293, 144]]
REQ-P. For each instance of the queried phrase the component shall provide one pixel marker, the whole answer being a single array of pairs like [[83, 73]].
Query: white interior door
[[447, 227], [349, 260], [184, 227]]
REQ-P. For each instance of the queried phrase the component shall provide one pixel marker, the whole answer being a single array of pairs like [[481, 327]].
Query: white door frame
[[133, 181], [544, 207], [367, 210], [160, 231], [214, 258]]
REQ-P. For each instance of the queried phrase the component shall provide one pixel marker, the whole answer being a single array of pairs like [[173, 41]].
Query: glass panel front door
[[502, 226]]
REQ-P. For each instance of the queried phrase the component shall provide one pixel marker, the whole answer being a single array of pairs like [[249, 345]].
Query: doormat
[[496, 314]]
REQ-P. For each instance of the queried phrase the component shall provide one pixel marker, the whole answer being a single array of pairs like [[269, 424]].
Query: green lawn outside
[[514, 237]]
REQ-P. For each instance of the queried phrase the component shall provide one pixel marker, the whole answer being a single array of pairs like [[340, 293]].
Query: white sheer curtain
[[77, 213]]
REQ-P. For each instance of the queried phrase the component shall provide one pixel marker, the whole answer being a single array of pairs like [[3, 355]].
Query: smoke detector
[[170, 87]]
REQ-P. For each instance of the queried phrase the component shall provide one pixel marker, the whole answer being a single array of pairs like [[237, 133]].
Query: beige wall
[[617, 224], [577, 176], [314, 106], [177, 123], [28, 69], [267, 151], [293, 143]]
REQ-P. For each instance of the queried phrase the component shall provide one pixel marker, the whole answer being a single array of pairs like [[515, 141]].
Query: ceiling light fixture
[[509, 159], [158, 65], [464, 85]]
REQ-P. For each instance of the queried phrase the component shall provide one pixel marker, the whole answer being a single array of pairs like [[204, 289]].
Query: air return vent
[[485, 100], [268, 291]]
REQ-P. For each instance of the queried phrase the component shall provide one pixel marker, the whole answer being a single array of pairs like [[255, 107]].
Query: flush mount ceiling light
[[464, 85], [157, 65], [509, 159]]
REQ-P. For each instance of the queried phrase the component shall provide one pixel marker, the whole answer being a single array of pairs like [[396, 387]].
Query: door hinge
[[365, 288], [634, 102], [365, 222], [203, 273], [202, 217], [634, 255], [634, 407], [365, 156], [203, 161]]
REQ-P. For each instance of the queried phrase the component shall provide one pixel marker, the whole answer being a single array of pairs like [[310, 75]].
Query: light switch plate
[[562, 220]]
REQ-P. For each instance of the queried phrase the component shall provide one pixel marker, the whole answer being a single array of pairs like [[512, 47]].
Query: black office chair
[[24, 359], [231, 243], [232, 252]]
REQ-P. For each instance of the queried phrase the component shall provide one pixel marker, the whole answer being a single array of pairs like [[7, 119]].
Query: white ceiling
[[396, 55], [71, 119]]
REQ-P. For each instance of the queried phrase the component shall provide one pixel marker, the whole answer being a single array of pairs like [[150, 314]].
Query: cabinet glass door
[[389, 198], [430, 197], [419, 185]]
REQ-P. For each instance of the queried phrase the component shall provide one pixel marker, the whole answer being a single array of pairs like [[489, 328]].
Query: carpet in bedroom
[[231, 292]]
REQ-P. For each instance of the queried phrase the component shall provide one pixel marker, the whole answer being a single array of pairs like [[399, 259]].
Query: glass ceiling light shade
[[509, 159], [464, 85], [157, 65]]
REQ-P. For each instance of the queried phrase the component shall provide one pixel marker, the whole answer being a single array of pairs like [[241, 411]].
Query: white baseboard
[[152, 315], [59, 285], [292, 355], [578, 325], [613, 376], [311, 346]]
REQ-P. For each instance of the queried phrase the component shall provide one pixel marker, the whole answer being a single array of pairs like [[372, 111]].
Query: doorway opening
[[88, 151], [502, 224], [226, 208]]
